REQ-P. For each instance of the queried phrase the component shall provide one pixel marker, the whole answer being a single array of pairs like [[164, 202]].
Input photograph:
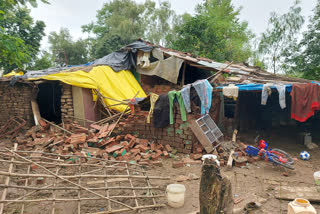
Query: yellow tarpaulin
[[117, 85], [13, 73]]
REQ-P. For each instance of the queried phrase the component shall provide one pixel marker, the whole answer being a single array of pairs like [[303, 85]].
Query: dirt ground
[[256, 182]]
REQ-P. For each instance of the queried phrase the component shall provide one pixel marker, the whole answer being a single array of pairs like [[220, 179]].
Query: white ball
[[304, 155]]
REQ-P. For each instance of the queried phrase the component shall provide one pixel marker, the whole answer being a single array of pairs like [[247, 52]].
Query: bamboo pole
[[75, 188], [219, 72], [4, 193], [25, 184], [53, 192], [86, 189], [59, 200], [125, 209], [81, 176]]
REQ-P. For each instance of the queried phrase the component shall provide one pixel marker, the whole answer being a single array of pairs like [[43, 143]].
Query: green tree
[[66, 51], [306, 60], [43, 61], [281, 36], [120, 22], [20, 36], [215, 32]]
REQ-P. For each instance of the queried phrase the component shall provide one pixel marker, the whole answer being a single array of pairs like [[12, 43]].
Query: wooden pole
[[106, 186], [219, 72], [25, 192], [53, 192], [4, 193], [79, 191], [57, 126], [125, 209], [183, 74]]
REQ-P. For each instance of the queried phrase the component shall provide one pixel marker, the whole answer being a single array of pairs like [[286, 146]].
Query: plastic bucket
[[175, 195], [316, 177]]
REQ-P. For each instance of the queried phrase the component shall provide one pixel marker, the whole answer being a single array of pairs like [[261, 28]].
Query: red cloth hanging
[[305, 100]]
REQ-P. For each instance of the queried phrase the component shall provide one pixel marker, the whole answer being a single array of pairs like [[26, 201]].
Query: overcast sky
[[72, 14]]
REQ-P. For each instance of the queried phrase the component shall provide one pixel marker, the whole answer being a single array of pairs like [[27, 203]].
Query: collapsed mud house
[[73, 92]]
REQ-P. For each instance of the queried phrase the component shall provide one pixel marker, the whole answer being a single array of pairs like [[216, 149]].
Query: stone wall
[[16, 102], [66, 101]]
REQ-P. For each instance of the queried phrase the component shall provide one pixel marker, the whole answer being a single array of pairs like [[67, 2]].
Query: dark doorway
[[49, 101]]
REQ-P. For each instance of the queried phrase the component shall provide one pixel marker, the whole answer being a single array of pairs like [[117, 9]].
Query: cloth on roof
[[305, 99], [231, 91], [172, 95], [167, 69], [161, 112], [143, 59], [185, 93], [204, 90], [117, 85], [153, 99], [266, 91]]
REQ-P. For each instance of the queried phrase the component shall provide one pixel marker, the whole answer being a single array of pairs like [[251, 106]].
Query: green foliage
[[120, 22], [20, 36], [215, 32], [44, 61], [67, 51], [281, 36], [306, 57]]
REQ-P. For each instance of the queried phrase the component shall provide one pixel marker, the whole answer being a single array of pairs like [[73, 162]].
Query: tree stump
[[215, 191]]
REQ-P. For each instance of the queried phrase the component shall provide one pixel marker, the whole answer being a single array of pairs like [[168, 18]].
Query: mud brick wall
[[16, 102], [179, 135], [66, 101]]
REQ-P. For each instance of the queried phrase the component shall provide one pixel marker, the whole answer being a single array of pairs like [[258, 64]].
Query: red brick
[[199, 150], [94, 126], [257, 158], [165, 154], [160, 147], [142, 148], [177, 164], [168, 148], [144, 163], [113, 148], [132, 143], [78, 138], [156, 156], [137, 157], [147, 156], [143, 142], [134, 150], [153, 146]]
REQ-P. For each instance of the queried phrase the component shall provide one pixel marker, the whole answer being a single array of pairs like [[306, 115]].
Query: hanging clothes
[[172, 95], [153, 99], [266, 91], [305, 100], [231, 91], [161, 112], [185, 93], [204, 91]]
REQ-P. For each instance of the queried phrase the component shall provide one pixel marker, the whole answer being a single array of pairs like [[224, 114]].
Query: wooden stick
[[121, 116], [106, 186], [134, 192], [125, 209], [89, 121], [149, 187], [57, 126], [75, 188], [183, 74], [84, 188], [25, 192], [79, 191], [219, 72], [53, 192], [4, 193], [77, 199], [81, 176]]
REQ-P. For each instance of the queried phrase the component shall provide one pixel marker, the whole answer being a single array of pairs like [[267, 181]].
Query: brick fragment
[[168, 148], [177, 164]]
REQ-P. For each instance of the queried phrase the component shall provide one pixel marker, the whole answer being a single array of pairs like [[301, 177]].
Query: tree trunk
[[215, 191]]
